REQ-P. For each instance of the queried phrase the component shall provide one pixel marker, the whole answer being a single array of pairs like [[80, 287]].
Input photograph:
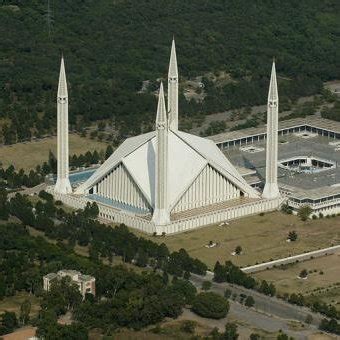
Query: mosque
[[168, 181]]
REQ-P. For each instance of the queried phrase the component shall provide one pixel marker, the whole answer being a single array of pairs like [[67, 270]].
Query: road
[[249, 321], [270, 306], [29, 191]]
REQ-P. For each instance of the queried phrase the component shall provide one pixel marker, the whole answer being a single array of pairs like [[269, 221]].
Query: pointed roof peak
[[173, 70], [161, 111], [273, 93], [62, 87]]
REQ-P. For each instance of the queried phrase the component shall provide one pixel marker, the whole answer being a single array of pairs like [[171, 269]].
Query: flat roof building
[[85, 283]]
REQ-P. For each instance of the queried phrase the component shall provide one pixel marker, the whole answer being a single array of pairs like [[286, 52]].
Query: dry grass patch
[[13, 303], [29, 155], [323, 279], [262, 238]]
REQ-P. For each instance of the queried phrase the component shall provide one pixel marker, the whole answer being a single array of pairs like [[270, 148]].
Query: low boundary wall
[[111, 214], [291, 259]]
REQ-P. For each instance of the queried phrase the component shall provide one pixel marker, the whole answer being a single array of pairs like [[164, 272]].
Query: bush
[[250, 302], [254, 336], [238, 250], [227, 293], [303, 274], [309, 319], [292, 236], [188, 326], [230, 332], [210, 305], [304, 212], [206, 285]]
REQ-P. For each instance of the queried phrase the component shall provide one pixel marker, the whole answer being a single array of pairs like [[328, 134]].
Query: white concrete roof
[[188, 155]]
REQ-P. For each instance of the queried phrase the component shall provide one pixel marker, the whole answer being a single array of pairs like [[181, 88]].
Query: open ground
[[30, 154], [323, 281], [13, 303], [262, 238]]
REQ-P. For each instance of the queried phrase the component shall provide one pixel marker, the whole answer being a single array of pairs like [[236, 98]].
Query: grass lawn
[[262, 238], [29, 155], [13, 303]]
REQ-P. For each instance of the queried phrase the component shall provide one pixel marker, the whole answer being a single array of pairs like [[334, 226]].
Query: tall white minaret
[[161, 213], [173, 89], [63, 185], [271, 189]]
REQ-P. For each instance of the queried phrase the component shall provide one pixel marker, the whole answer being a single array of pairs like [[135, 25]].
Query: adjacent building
[[85, 283]]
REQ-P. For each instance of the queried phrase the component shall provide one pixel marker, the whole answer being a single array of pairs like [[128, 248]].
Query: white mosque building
[[168, 181]]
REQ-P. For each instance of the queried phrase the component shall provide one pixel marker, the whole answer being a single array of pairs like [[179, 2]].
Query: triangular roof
[[187, 156]]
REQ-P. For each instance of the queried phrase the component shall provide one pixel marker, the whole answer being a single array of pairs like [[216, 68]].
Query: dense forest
[[113, 47]]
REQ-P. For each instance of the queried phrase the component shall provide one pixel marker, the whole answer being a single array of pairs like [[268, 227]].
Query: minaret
[[63, 185], [271, 189], [161, 214], [173, 89]]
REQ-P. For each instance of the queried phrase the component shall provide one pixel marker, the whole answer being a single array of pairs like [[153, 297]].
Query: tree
[[185, 289], [4, 207], [62, 296], [238, 250], [292, 236], [282, 336], [188, 326], [249, 302], [303, 274], [254, 336], [231, 273], [108, 152], [230, 332], [267, 289], [304, 212], [9, 322], [25, 310], [206, 285], [210, 305], [227, 293]]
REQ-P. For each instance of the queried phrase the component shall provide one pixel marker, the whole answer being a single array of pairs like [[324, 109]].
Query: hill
[[112, 47]]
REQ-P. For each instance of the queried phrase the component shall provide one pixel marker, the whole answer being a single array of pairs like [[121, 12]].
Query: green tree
[[25, 310], [304, 212], [206, 285], [249, 302], [9, 322], [188, 326], [210, 305], [230, 332]]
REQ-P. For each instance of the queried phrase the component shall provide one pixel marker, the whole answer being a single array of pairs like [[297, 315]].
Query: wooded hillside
[[111, 47]]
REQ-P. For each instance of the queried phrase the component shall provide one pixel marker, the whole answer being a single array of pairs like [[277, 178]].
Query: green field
[[262, 238], [30, 154]]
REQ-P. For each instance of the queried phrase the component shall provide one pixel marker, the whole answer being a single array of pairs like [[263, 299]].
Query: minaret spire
[[63, 185], [173, 89], [161, 215], [271, 189]]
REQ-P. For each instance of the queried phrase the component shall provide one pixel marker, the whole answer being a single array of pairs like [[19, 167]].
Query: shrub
[[292, 236], [250, 302], [309, 319], [206, 285], [238, 250], [188, 326], [304, 212], [227, 293], [254, 336], [210, 305], [303, 274]]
